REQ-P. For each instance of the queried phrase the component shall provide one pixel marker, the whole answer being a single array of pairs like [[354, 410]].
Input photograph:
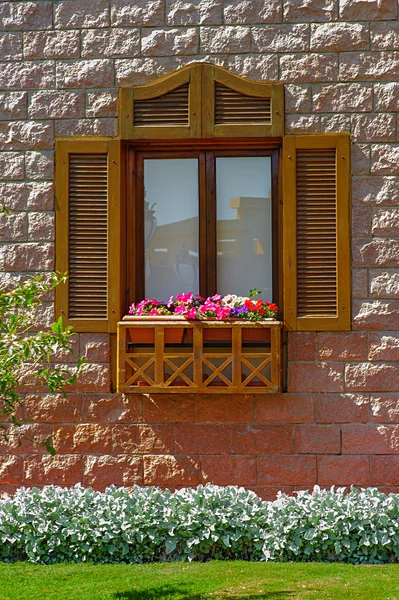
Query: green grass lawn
[[183, 581]]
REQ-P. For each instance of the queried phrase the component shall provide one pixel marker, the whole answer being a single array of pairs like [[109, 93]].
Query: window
[[210, 223], [246, 202]]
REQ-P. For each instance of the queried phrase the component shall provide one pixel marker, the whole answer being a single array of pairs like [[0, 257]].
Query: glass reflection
[[244, 225], [171, 227]]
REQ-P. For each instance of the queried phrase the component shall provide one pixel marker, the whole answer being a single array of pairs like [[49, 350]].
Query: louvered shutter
[[235, 107], [170, 107], [87, 233], [316, 224]]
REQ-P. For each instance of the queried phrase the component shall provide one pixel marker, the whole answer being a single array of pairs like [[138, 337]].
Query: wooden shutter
[[236, 107], [316, 240], [87, 233], [169, 107]]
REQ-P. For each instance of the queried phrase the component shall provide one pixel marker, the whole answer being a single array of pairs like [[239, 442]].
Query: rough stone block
[[202, 439], [308, 68], [93, 378], [385, 36], [380, 127], [85, 73], [13, 228], [102, 103], [360, 160], [41, 226], [171, 470], [27, 439], [111, 408], [317, 439], [10, 46], [297, 99], [347, 346], [51, 44], [375, 190], [361, 221], [224, 409], [95, 347], [100, 472], [12, 105], [39, 164], [371, 377], [297, 124], [27, 75], [248, 12], [369, 66], [100, 127], [170, 408], [343, 470], [384, 408], [140, 12], [342, 408], [27, 257], [310, 10], [302, 346], [385, 222], [370, 439], [316, 377], [384, 470], [110, 43], [28, 195], [23, 16], [376, 315], [56, 104], [335, 123], [11, 470], [384, 347], [281, 38], [193, 12], [359, 283], [81, 13], [166, 42], [343, 97], [227, 39], [229, 470], [142, 70], [88, 438], [339, 37], [56, 470], [386, 96], [26, 135], [11, 165], [261, 439], [53, 408], [384, 283], [285, 408], [143, 439], [368, 10], [292, 470], [376, 252], [261, 67]]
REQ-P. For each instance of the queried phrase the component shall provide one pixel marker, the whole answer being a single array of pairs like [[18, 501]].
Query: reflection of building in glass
[[243, 247]]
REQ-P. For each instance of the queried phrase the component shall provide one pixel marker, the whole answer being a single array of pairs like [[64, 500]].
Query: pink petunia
[[192, 313]]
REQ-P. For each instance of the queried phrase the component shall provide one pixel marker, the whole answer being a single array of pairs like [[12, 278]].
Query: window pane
[[171, 227], [244, 225]]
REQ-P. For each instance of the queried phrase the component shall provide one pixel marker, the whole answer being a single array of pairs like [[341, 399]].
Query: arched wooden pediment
[[202, 101]]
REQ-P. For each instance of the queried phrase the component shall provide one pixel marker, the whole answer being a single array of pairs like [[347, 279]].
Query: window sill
[[181, 356]]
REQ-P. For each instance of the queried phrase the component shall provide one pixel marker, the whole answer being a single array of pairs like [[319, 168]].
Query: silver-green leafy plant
[[27, 355], [137, 525]]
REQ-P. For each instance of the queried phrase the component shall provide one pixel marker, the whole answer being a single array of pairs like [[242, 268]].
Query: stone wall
[[61, 65]]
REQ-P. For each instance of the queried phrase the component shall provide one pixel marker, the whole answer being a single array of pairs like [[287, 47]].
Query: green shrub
[[147, 524]]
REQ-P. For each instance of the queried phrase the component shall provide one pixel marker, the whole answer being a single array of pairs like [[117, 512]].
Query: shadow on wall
[[178, 592]]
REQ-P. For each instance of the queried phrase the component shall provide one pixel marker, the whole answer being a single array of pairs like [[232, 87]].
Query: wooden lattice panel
[[197, 365]]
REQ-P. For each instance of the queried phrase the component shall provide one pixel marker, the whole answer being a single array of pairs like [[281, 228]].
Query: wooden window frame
[[206, 154]]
